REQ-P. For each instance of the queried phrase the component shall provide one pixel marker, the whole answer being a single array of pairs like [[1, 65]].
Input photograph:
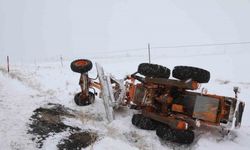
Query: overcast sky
[[38, 29]]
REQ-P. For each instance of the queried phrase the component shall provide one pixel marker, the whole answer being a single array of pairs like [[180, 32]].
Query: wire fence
[[177, 47], [193, 50], [176, 51]]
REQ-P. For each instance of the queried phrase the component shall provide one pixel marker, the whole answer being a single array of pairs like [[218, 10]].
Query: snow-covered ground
[[29, 86]]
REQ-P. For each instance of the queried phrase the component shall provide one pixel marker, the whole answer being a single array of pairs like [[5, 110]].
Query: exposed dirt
[[77, 141], [47, 121]]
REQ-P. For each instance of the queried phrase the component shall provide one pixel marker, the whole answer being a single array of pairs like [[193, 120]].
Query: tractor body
[[173, 103], [172, 107]]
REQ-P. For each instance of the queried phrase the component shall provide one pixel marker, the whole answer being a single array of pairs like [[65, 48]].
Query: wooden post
[[149, 54], [61, 58], [8, 64]]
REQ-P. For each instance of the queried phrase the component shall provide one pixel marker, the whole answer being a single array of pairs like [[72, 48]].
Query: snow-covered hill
[[29, 86]]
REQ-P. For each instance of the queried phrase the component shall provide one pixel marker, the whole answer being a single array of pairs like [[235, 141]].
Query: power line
[[204, 45]]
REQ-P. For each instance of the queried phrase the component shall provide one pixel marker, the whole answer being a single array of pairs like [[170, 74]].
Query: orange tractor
[[169, 106]]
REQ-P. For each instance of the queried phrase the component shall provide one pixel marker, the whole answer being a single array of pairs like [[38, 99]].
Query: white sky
[[38, 29]]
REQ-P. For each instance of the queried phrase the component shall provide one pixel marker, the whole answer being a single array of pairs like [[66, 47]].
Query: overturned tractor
[[169, 106]]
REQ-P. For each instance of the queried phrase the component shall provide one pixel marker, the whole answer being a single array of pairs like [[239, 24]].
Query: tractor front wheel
[[81, 65], [82, 100]]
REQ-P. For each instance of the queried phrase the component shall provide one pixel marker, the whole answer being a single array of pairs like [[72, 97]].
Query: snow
[[16, 105], [105, 32], [29, 86], [111, 143]]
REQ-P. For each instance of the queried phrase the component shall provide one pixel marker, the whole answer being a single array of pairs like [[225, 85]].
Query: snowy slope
[[30, 86]]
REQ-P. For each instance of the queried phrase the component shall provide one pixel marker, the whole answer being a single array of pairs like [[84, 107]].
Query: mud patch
[[48, 121], [77, 141]]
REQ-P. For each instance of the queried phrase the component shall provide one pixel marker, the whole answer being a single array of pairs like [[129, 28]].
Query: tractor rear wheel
[[153, 70], [186, 73], [142, 122], [81, 65], [80, 100], [174, 135]]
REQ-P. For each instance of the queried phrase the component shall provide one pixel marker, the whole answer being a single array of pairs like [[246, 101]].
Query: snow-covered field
[[29, 86]]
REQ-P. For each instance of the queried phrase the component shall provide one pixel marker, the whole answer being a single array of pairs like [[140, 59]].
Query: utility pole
[[149, 53]]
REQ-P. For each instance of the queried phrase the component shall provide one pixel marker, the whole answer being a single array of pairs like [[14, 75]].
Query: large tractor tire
[[81, 65], [186, 73], [84, 101], [153, 70], [142, 122], [174, 135]]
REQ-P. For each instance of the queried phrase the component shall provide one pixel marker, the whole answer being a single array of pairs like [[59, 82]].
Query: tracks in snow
[[28, 80]]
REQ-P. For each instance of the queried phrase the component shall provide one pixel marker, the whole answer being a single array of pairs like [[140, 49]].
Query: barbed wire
[[177, 46], [204, 45], [126, 52]]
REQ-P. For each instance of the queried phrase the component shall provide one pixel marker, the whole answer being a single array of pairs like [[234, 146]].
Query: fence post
[[8, 64], [149, 54], [61, 58]]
